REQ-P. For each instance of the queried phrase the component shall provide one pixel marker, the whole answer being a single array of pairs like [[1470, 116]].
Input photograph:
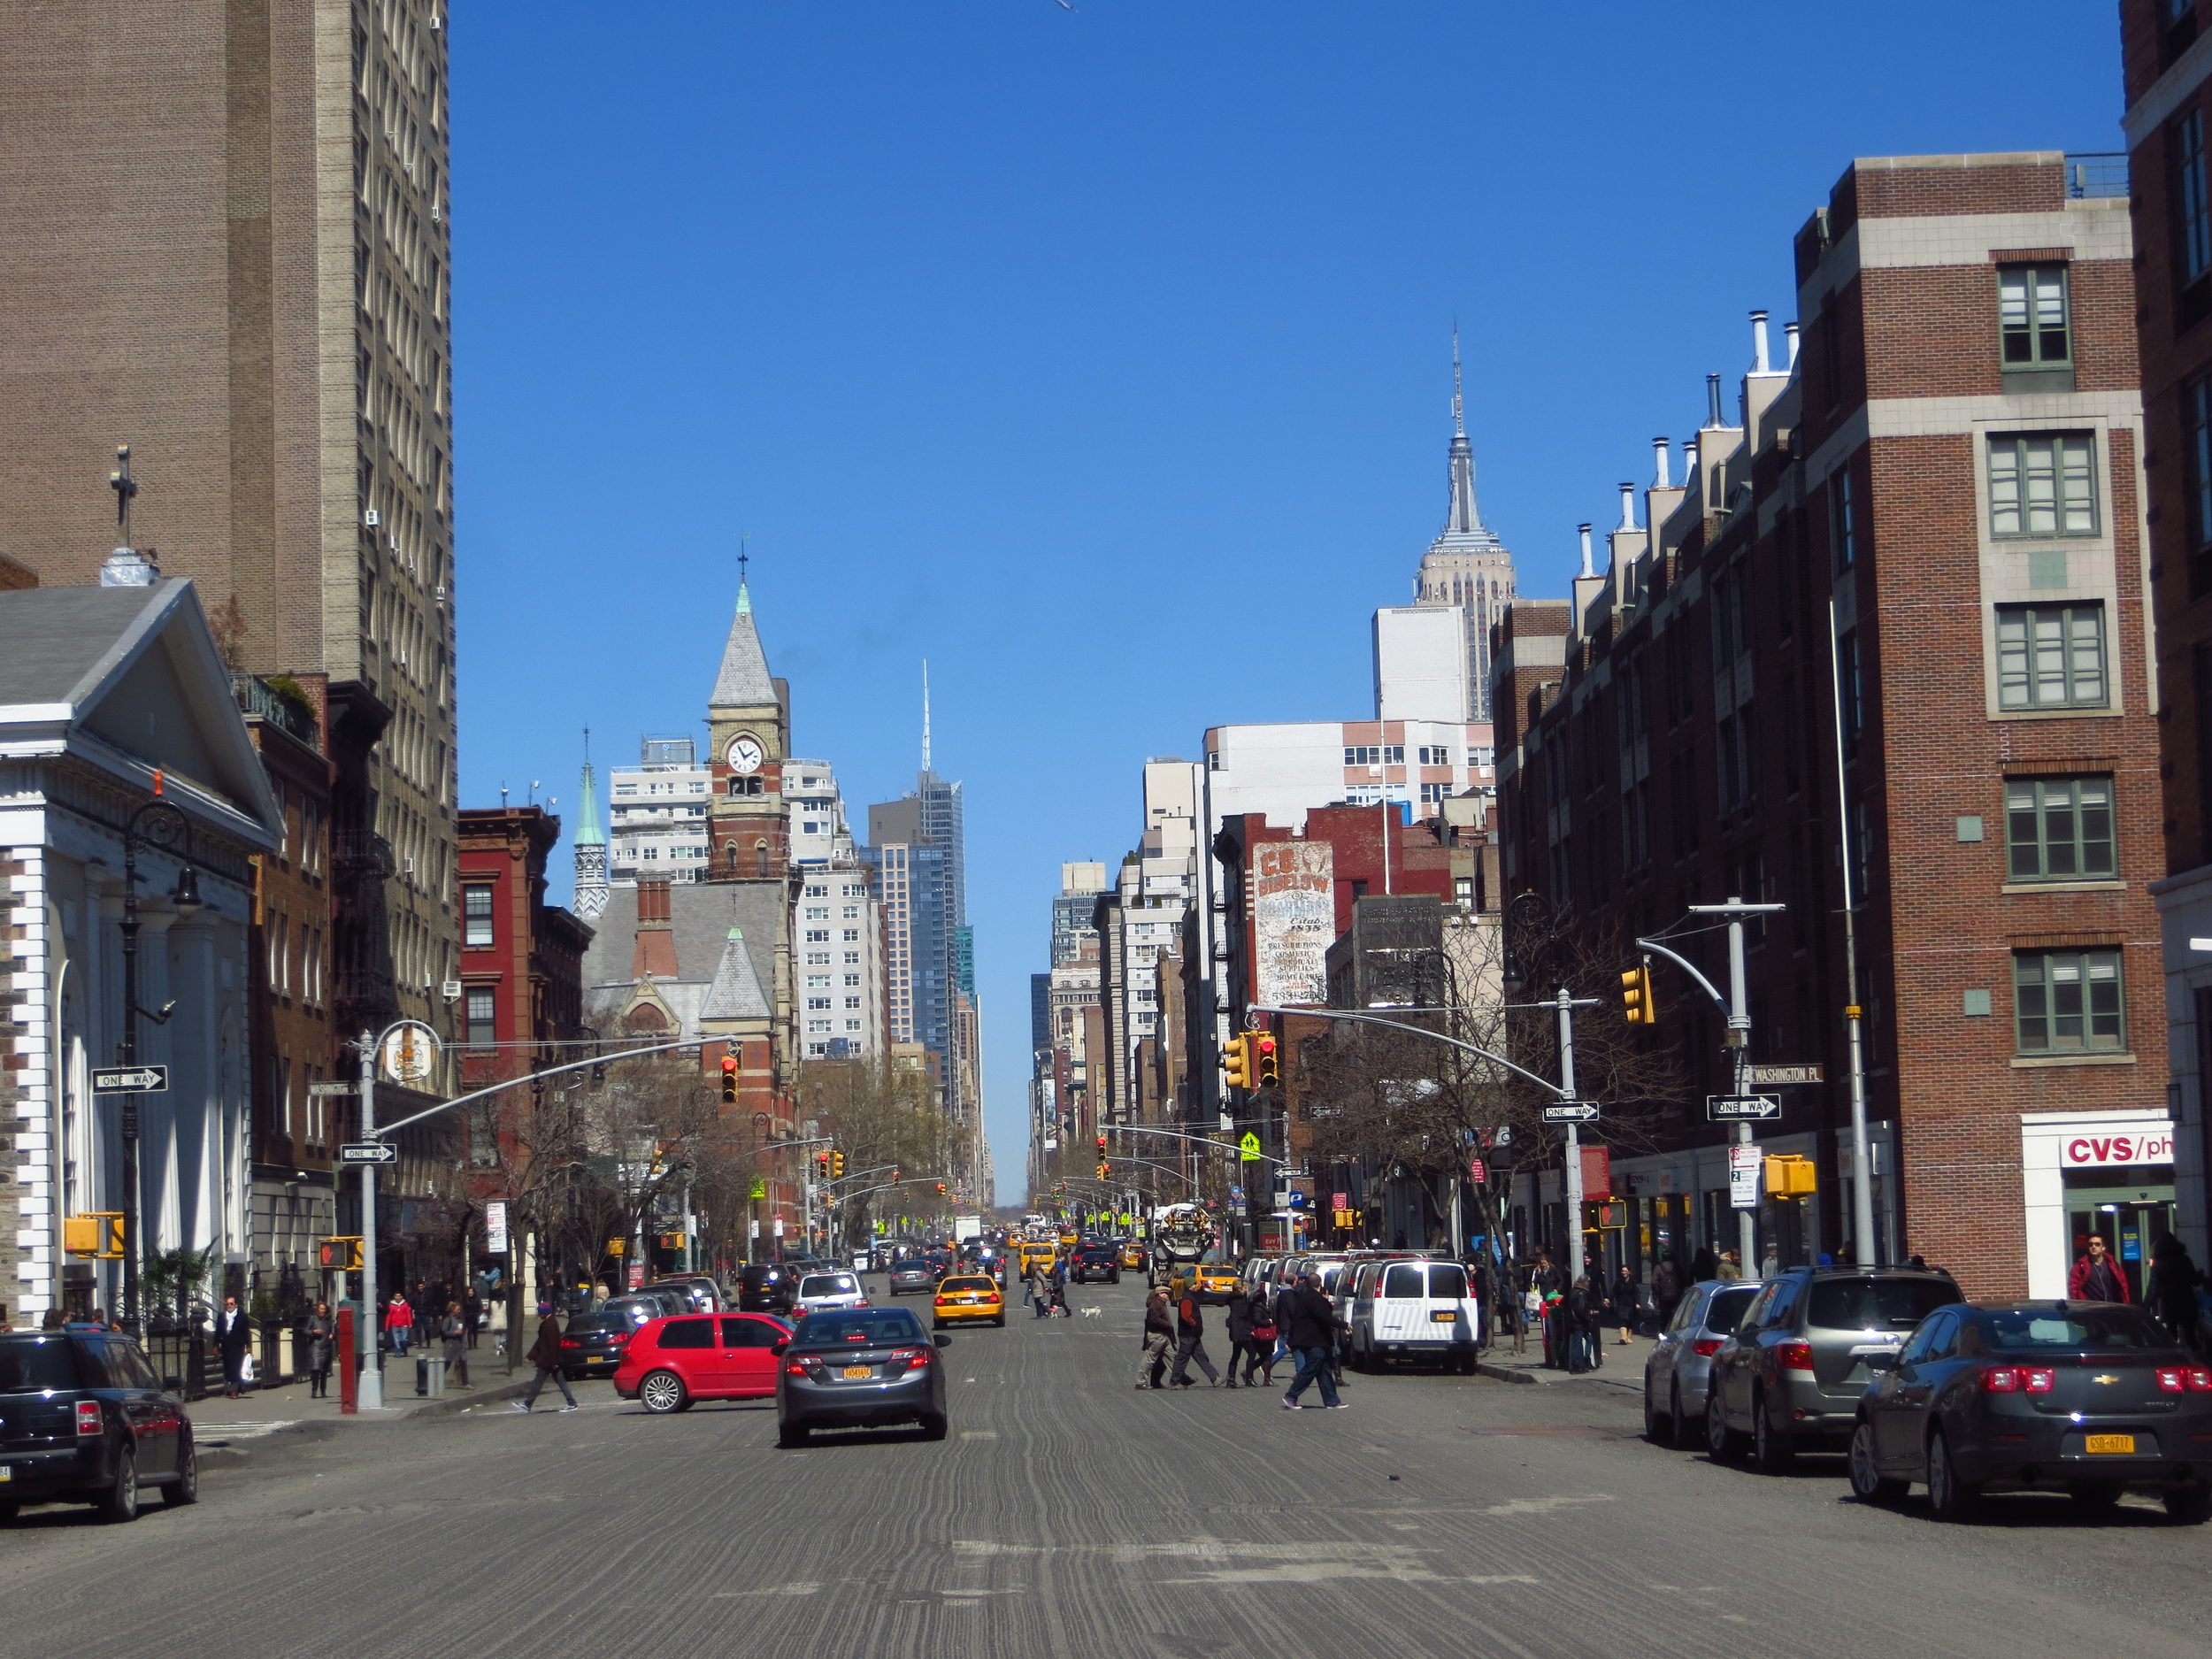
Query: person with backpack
[[1158, 1337], [1190, 1338]]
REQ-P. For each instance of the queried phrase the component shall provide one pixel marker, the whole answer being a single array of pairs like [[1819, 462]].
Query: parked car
[[1412, 1309], [673, 1364], [703, 1293], [592, 1345], [670, 1299], [1095, 1260], [1790, 1376], [2083, 1397], [861, 1368], [911, 1274], [1680, 1364], [766, 1288], [820, 1291], [84, 1418], [967, 1297]]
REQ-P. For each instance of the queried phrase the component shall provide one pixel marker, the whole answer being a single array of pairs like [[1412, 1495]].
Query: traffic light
[[822, 1163], [837, 1166], [1236, 1061], [1790, 1176], [97, 1233], [729, 1079], [1104, 1169], [1636, 998], [1267, 1074], [1102, 1146], [340, 1255], [940, 1189]]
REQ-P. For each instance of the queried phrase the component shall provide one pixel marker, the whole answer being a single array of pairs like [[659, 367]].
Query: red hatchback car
[[672, 1362]]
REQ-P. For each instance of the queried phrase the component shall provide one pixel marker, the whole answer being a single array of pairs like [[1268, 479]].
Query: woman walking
[[1624, 1304], [453, 1329], [1245, 1313], [322, 1332]]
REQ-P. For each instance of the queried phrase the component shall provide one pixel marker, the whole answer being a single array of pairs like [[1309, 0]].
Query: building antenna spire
[[925, 714], [1459, 415]]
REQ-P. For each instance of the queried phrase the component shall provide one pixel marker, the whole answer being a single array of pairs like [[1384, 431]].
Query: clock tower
[[749, 728]]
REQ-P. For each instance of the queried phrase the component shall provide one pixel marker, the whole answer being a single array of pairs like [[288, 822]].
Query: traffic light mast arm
[[1422, 1030], [527, 1078], [846, 1198], [1202, 1140], [1688, 967]]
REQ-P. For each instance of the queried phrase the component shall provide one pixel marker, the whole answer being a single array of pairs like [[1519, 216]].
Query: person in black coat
[[1312, 1336], [233, 1333]]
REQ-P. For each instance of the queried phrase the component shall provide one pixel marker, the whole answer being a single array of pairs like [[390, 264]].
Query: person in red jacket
[[2097, 1277], [399, 1323]]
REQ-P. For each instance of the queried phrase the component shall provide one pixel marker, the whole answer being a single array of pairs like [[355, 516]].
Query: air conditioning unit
[[436, 22], [407, 866], [392, 536], [371, 517], [436, 213], [452, 989]]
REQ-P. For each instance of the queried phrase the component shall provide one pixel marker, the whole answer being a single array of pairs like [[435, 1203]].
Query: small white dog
[[1093, 1313]]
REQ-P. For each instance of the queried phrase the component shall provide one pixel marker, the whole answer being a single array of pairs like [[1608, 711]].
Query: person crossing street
[[545, 1354], [1190, 1338], [1311, 1332]]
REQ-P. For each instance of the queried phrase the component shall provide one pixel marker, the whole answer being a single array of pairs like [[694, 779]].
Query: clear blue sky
[[1102, 355]]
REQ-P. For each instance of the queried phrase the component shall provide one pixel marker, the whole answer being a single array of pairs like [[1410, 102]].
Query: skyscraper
[[1467, 566], [223, 241]]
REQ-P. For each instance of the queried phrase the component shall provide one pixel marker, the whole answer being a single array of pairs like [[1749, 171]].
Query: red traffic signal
[[729, 1077]]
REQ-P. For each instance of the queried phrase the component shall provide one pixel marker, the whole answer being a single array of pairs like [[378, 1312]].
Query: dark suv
[[1096, 1261], [767, 1288], [83, 1417], [1791, 1377]]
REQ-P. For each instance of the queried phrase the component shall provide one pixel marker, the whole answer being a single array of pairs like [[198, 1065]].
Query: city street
[[1069, 1514]]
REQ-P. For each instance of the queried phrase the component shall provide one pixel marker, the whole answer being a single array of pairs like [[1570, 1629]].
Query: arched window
[[729, 856], [760, 856], [645, 1016]]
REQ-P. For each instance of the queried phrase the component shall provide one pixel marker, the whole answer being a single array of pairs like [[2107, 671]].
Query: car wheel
[[1770, 1449], [791, 1434], [1000, 1322], [1681, 1435], [10, 1511], [935, 1427], [661, 1393], [2192, 1506], [186, 1488], [1868, 1483], [119, 1502], [1949, 1498], [1723, 1443], [2102, 1496]]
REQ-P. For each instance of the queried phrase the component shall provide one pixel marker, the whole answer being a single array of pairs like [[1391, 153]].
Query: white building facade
[[656, 814]]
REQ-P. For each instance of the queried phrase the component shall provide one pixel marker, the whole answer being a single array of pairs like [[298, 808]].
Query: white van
[[1413, 1308]]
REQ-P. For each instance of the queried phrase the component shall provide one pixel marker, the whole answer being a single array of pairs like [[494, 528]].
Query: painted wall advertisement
[[1293, 921]]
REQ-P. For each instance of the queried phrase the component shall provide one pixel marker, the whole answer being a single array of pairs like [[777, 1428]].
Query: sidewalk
[[217, 1422], [1624, 1367]]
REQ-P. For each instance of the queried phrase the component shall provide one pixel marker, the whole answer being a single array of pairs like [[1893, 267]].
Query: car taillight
[[1707, 1345], [1794, 1356], [2012, 1380], [914, 1358], [570, 1341], [89, 1418], [2169, 1380], [796, 1368], [2198, 1379]]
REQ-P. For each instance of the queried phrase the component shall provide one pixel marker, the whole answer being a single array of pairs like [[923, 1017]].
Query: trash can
[[430, 1377]]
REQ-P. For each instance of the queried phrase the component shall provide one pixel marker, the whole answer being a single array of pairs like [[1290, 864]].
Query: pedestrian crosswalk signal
[[729, 1079], [1236, 1061], [1790, 1175], [1266, 1073], [97, 1233], [340, 1255], [1636, 996]]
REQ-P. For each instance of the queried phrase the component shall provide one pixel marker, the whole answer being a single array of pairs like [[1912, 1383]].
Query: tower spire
[[591, 846], [1465, 518], [1459, 415], [925, 714]]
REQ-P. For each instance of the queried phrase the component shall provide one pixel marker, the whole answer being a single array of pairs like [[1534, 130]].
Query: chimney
[[656, 950], [1587, 568], [1789, 341], [1759, 343], [1712, 400], [1661, 449], [1689, 463], [1628, 506]]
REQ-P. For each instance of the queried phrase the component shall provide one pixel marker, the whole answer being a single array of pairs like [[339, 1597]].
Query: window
[[2051, 656], [852, 1003], [1435, 755], [2068, 1001], [687, 1333], [852, 956], [1363, 755], [817, 981], [817, 912], [483, 1020], [1844, 525], [2031, 316], [817, 936], [2192, 225], [816, 1005], [1432, 792], [852, 981], [1394, 754], [852, 935], [2042, 484], [2196, 426], [2059, 829], [476, 909], [1849, 670], [851, 912]]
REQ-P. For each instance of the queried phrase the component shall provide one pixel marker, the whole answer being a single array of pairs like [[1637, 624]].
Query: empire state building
[[1467, 566]]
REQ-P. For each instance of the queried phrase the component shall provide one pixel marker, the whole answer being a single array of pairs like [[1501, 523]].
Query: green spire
[[589, 833]]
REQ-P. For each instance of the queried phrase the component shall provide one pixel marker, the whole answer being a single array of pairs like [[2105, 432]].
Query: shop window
[[2068, 1001]]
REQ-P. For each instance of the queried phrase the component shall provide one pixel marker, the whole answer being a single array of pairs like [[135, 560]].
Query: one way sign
[[142, 1079]]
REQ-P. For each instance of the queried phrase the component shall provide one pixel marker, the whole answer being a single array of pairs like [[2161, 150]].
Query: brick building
[[1936, 505], [2166, 58]]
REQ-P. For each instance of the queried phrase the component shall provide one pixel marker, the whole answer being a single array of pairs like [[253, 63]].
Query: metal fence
[[2097, 172]]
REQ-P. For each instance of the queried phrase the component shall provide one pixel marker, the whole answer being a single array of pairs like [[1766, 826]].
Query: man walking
[[1311, 1332], [2095, 1278], [545, 1354], [1190, 1338], [233, 1332], [1159, 1336]]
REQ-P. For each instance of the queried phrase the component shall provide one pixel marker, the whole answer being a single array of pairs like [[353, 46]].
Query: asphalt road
[[1069, 1514]]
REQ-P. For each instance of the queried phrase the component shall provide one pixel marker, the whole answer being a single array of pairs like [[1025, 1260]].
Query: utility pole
[[1738, 1043], [370, 1396], [1862, 1154]]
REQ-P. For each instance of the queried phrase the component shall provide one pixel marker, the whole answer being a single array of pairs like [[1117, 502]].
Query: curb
[[1506, 1373]]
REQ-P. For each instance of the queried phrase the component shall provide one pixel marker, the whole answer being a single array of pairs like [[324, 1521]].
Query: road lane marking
[[772, 1589], [1546, 1506], [979, 1435]]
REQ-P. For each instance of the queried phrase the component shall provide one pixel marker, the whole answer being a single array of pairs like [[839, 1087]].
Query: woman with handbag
[[1261, 1332], [321, 1334]]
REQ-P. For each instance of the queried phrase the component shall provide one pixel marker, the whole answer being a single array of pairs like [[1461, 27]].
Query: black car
[[860, 1368], [592, 1345], [1095, 1260], [767, 1288], [2083, 1397], [84, 1418]]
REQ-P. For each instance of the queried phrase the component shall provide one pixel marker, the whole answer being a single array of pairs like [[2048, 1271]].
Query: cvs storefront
[[2111, 1173]]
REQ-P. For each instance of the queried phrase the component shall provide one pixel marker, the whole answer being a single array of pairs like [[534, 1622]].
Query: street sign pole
[[1574, 1264], [370, 1396], [1739, 1044]]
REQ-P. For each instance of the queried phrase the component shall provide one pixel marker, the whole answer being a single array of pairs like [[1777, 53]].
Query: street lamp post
[[164, 826]]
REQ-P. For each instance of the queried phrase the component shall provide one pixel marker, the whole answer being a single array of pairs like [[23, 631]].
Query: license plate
[[2124, 1444], [1443, 1316], [855, 1373], [6, 1473]]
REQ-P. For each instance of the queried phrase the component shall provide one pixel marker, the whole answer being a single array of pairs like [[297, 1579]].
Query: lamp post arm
[[1419, 1031], [1688, 967]]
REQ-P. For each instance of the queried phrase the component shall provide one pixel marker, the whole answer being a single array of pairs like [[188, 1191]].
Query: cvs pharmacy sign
[[2097, 1151]]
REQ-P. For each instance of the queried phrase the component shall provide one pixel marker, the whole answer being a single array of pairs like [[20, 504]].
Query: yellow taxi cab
[[1069, 1240], [1036, 1253], [969, 1296], [1132, 1254], [1216, 1276]]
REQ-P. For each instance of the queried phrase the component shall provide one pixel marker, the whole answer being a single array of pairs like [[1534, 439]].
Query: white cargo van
[[1413, 1308]]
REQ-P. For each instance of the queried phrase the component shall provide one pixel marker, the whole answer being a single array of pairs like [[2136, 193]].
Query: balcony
[[288, 710], [2102, 173]]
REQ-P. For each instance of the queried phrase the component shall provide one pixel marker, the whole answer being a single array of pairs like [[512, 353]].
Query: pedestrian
[[399, 1323], [1731, 1267], [1770, 1263], [545, 1354], [1157, 1338], [1625, 1305], [1311, 1334], [1579, 1313], [472, 1314], [1190, 1338], [53, 1319], [1040, 1288], [1060, 1286], [2096, 1276], [1704, 1265], [1666, 1288], [322, 1334], [2171, 1293], [454, 1330], [233, 1333], [1530, 1310], [1264, 1334]]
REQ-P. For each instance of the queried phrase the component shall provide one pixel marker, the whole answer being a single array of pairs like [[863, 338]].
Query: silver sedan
[[1680, 1367]]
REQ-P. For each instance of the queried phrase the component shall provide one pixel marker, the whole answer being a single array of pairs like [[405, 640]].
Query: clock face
[[745, 755]]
